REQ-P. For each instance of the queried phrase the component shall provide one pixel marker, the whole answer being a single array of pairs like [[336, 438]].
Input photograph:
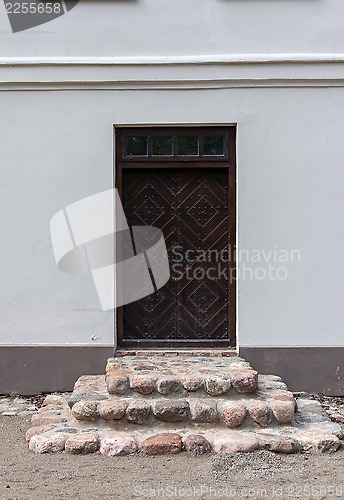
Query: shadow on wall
[[269, 1], [22, 17]]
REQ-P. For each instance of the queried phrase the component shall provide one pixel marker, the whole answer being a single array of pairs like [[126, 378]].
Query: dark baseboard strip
[[310, 369], [29, 370]]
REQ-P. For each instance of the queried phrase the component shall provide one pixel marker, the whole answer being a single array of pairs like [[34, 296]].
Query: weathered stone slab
[[36, 430], [318, 441], [162, 444], [54, 399], [48, 443], [46, 418], [86, 442], [278, 444], [232, 443], [86, 396], [173, 410], [118, 444], [312, 411]]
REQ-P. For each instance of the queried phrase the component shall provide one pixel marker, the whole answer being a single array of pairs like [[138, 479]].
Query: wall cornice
[[173, 72], [317, 58]]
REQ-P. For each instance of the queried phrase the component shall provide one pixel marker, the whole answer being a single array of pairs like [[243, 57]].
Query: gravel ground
[[25, 475]]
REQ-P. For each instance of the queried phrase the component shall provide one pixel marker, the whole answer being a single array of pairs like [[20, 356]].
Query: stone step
[[180, 375], [221, 391], [248, 412], [166, 404], [55, 429], [91, 401]]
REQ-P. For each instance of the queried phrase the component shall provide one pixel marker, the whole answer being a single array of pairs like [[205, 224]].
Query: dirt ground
[[25, 475]]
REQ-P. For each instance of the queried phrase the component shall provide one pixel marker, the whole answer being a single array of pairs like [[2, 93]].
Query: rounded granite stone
[[196, 445], [117, 384], [118, 444], [215, 386], [142, 384], [138, 412], [192, 383], [260, 413], [234, 414], [162, 444], [48, 443], [204, 411], [87, 442], [246, 382], [168, 385], [283, 411], [86, 410], [174, 410], [112, 410]]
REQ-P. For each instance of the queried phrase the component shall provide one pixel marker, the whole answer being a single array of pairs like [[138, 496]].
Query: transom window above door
[[175, 144]]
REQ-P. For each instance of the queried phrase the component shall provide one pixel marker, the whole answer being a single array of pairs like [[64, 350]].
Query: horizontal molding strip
[[176, 73], [318, 58], [167, 85]]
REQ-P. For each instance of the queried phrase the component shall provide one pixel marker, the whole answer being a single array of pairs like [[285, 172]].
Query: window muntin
[[175, 144]]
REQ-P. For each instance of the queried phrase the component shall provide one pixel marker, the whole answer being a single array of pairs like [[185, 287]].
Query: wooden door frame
[[230, 163]]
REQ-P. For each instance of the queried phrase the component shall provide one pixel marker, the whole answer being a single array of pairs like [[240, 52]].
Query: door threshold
[[230, 351]]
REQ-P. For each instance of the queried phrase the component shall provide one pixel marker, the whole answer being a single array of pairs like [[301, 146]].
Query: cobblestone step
[[54, 429], [167, 404], [249, 411], [179, 375]]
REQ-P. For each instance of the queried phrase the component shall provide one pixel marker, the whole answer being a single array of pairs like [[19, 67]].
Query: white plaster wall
[[56, 147], [54, 151], [174, 27]]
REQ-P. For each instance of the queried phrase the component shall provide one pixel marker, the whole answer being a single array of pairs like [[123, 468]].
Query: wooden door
[[193, 203]]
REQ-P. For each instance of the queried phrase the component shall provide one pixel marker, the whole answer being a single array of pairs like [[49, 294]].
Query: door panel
[[191, 207]]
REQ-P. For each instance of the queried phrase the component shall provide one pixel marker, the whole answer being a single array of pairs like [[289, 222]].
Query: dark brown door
[[192, 202]]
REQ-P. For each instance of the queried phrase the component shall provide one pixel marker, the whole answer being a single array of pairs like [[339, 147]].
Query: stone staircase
[[171, 401]]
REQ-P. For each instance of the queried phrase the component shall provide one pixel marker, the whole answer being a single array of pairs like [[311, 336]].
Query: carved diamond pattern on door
[[202, 212], [190, 206], [203, 297]]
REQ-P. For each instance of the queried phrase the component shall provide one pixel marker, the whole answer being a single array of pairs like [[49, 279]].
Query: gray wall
[[273, 68], [57, 148]]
